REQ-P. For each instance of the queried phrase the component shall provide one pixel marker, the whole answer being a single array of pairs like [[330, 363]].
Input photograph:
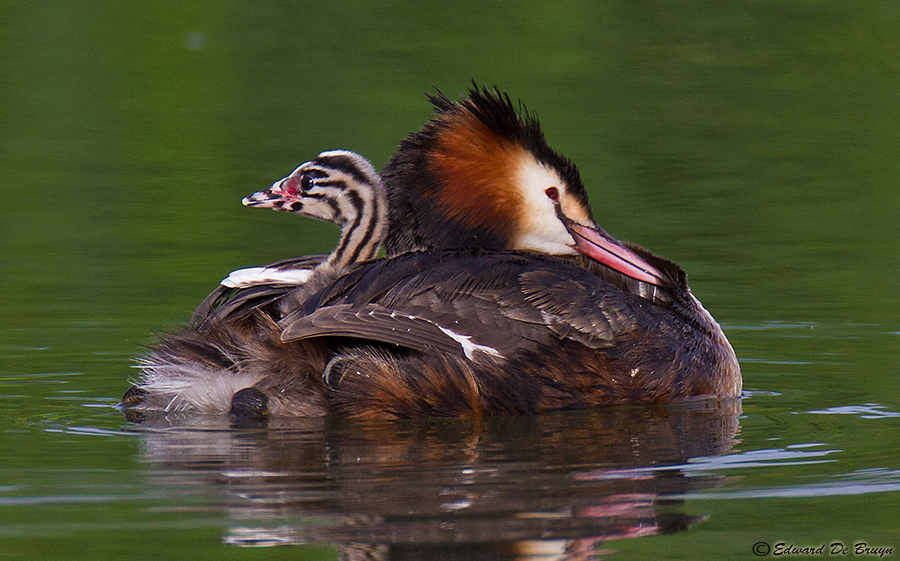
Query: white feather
[[252, 276], [467, 345], [189, 387]]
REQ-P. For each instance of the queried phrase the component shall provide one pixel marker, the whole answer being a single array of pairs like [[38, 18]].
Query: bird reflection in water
[[527, 487]]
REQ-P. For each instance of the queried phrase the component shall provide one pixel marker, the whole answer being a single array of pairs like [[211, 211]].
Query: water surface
[[754, 143]]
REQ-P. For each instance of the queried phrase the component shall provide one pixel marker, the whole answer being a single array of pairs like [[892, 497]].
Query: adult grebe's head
[[481, 174]]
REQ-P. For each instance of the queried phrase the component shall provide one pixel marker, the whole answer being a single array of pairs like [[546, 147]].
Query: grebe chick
[[338, 186], [182, 373]]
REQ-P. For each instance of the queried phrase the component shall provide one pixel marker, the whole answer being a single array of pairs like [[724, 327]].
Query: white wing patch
[[252, 276], [468, 346]]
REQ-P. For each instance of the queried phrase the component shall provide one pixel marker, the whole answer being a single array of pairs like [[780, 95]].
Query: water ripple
[[792, 455], [867, 411], [862, 482]]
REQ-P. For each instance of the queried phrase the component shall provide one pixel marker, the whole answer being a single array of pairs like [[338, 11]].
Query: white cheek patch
[[539, 227]]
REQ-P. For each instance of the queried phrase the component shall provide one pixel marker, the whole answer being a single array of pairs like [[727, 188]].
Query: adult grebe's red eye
[[552, 193]]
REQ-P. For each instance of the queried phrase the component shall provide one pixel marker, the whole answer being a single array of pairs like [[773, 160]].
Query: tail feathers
[[193, 373], [189, 387], [200, 373]]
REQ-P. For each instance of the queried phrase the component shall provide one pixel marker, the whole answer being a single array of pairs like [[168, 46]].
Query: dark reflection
[[541, 487]]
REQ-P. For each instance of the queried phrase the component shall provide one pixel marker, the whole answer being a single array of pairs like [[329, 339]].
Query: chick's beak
[[600, 246], [281, 194]]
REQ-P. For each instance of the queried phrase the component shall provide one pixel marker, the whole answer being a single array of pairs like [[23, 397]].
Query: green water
[[756, 143]]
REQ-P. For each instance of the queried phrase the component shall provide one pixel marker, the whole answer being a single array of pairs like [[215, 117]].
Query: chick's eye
[[306, 182], [552, 193]]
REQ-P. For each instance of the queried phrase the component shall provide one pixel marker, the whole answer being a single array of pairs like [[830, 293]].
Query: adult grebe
[[500, 294]]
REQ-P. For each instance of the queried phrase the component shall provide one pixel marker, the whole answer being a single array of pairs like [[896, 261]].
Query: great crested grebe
[[500, 294]]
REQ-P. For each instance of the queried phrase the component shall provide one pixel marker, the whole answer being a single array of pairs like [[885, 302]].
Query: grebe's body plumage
[[504, 329], [499, 294]]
